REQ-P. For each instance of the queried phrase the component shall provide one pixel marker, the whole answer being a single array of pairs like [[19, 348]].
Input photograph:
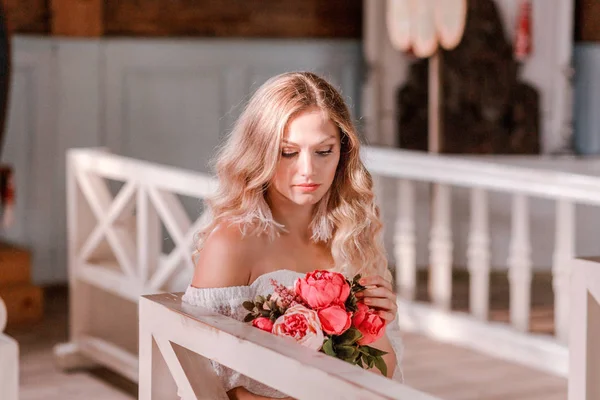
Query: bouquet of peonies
[[321, 312]]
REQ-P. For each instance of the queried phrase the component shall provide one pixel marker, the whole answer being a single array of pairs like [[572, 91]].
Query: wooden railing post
[[9, 361], [584, 346]]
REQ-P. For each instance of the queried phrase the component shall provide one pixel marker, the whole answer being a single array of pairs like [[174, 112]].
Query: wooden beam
[[235, 18], [82, 18], [27, 16], [587, 21]]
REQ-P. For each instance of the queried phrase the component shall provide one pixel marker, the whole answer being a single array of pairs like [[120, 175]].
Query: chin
[[307, 200]]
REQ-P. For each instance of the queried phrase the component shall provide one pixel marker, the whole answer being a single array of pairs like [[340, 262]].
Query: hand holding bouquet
[[321, 311]]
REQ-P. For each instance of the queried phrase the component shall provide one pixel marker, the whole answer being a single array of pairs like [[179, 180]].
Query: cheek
[[283, 174], [330, 169]]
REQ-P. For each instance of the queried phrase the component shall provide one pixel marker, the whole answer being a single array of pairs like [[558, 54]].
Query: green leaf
[[351, 336], [328, 348], [380, 364], [248, 305], [265, 313], [373, 351], [249, 317], [347, 353], [371, 362], [360, 362]]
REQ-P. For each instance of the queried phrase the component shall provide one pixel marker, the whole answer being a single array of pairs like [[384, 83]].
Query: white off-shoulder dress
[[228, 301]]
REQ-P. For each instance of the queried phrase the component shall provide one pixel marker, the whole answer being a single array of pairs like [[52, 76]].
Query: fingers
[[375, 280], [377, 292], [384, 304], [387, 316]]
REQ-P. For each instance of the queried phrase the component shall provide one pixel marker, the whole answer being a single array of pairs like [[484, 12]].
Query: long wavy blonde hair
[[346, 218]]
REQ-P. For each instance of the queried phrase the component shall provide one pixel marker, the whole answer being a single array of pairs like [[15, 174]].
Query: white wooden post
[[9, 361], [149, 243], [561, 270], [584, 346], [478, 254], [404, 241], [80, 223], [519, 264], [440, 248]]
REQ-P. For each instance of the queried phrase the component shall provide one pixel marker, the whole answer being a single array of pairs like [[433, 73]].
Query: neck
[[295, 218]]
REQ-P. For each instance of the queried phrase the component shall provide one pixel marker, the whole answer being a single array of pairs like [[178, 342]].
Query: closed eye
[[288, 154], [324, 153]]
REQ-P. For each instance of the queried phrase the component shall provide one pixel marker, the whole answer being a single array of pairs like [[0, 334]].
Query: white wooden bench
[[584, 337], [9, 361], [177, 340]]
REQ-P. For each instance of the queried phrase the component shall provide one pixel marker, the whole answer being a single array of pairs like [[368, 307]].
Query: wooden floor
[[446, 371]]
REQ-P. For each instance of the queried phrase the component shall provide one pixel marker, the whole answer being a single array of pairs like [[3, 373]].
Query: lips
[[308, 187]]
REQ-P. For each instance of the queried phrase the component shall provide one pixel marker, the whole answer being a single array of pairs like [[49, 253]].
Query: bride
[[293, 197]]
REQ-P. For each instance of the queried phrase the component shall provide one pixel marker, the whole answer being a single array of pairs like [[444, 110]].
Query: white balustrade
[[481, 178], [128, 226]]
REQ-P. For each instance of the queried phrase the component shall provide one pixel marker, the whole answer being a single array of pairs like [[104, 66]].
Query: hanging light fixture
[[421, 26]]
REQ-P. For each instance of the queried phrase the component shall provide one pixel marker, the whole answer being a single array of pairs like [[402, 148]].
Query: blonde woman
[[293, 197]]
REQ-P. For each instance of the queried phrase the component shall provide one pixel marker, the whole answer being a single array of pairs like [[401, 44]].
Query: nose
[[306, 164]]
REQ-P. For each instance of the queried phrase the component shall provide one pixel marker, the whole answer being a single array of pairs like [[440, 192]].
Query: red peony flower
[[263, 323], [335, 320], [320, 289], [369, 323]]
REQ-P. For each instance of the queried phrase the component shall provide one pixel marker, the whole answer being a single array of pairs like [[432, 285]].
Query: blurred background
[[164, 80]]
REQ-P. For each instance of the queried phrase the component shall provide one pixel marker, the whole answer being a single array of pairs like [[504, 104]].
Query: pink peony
[[369, 323], [301, 324], [263, 323], [320, 289], [335, 320]]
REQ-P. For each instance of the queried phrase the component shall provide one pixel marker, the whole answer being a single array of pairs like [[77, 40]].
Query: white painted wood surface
[[584, 347], [519, 264], [479, 255], [440, 247], [175, 327], [564, 252], [9, 361]]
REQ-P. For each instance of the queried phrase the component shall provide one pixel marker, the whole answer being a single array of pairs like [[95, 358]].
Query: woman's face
[[310, 152]]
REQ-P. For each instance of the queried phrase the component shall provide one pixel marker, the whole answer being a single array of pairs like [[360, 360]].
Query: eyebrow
[[285, 141]]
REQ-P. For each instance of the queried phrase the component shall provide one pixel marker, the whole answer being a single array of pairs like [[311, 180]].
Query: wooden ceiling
[[188, 18]]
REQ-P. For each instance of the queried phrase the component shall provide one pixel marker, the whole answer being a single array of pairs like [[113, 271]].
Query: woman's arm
[[384, 344]]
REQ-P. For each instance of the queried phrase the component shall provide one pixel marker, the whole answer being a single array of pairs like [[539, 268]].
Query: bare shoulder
[[226, 258]]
